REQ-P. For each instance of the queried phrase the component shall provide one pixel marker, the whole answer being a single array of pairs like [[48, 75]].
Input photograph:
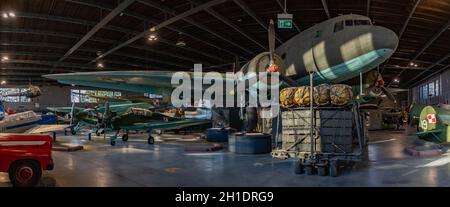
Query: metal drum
[[250, 143], [217, 134]]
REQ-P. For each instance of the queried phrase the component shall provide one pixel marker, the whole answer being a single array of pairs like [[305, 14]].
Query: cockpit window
[[349, 22], [362, 22], [339, 26]]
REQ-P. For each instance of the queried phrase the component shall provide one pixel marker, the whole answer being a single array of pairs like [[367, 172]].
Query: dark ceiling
[[54, 36]]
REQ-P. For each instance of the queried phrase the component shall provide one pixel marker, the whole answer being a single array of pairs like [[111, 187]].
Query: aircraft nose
[[385, 40]]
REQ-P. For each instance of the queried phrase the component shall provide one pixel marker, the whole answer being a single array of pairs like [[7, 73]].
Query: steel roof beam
[[428, 68], [153, 21], [122, 6], [60, 46], [368, 8], [325, 8], [161, 25], [201, 26], [250, 12], [431, 75], [52, 33], [427, 45], [411, 13], [17, 68], [53, 55], [74, 36], [405, 25], [226, 21], [117, 29]]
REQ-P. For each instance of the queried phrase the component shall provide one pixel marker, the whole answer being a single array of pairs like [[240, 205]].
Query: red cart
[[24, 157]]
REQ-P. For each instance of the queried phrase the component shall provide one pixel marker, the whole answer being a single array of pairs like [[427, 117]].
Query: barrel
[[217, 134], [287, 97], [301, 96], [341, 94], [250, 143], [322, 95]]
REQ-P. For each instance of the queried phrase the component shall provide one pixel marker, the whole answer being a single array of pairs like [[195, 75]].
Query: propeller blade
[[289, 81], [237, 64], [271, 39], [388, 94]]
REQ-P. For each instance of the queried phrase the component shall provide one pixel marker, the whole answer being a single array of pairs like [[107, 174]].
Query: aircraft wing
[[64, 109], [155, 82], [46, 128], [121, 108], [166, 125]]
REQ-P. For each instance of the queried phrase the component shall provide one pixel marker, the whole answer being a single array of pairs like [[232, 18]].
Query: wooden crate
[[334, 130]]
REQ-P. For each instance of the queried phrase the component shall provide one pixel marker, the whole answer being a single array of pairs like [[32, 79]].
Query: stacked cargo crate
[[333, 130]]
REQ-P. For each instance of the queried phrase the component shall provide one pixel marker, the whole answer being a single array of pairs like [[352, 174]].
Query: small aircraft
[[146, 120], [80, 118], [434, 123], [335, 51]]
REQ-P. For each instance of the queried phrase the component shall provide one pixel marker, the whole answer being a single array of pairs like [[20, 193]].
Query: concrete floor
[[168, 164]]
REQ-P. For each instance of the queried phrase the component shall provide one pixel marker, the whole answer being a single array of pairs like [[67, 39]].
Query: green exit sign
[[285, 21]]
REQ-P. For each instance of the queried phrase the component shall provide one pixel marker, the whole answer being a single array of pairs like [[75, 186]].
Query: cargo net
[[324, 95], [334, 132]]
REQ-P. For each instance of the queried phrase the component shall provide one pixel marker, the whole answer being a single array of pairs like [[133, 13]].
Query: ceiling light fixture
[[153, 37], [12, 14], [181, 42], [5, 58], [100, 65], [3, 82], [396, 80], [5, 15]]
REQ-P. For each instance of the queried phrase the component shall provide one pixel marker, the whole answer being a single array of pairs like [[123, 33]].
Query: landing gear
[[73, 131], [125, 137], [151, 140], [113, 143]]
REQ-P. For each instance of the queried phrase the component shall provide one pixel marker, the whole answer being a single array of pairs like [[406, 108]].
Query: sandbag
[[341, 94], [287, 97], [301, 97], [322, 95]]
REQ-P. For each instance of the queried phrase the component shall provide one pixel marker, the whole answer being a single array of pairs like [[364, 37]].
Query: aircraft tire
[[113, 143], [125, 138], [151, 140], [72, 131]]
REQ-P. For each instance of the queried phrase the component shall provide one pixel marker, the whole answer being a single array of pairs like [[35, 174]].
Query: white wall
[[52, 96], [444, 90]]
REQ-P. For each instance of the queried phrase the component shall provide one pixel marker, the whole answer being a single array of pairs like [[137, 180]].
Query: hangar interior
[[379, 71]]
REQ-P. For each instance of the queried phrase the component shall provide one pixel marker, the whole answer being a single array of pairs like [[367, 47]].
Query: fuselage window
[[362, 22], [348, 22], [339, 26]]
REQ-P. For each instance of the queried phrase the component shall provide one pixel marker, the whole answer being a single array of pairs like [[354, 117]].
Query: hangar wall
[[437, 93], [52, 96]]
